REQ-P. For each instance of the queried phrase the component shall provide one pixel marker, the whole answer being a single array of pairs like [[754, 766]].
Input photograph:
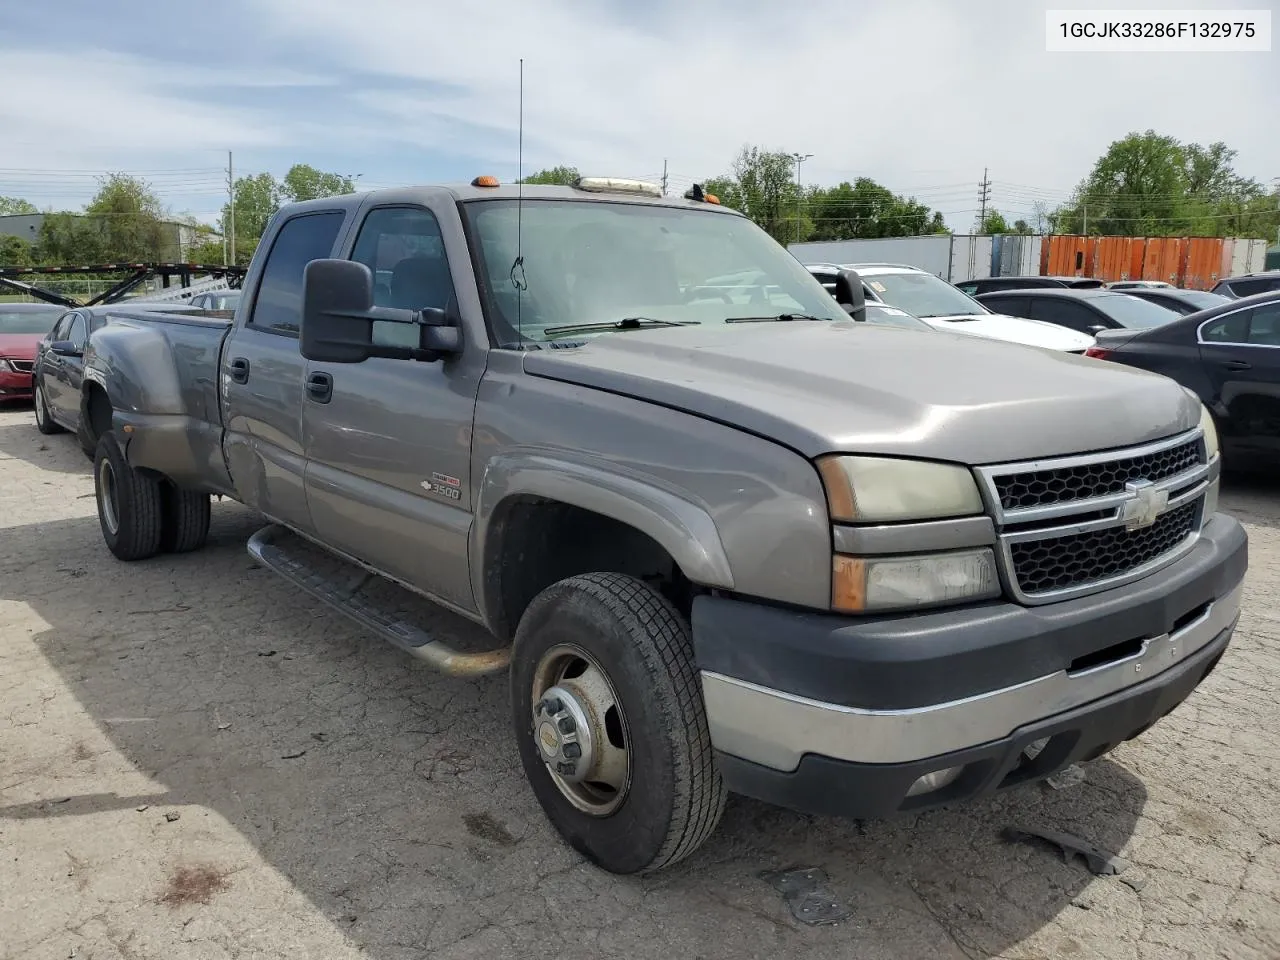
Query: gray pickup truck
[[727, 537]]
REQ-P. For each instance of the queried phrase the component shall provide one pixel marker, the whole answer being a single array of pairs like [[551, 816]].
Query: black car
[[1179, 300], [1230, 356], [58, 371], [992, 284], [1248, 285], [1087, 311]]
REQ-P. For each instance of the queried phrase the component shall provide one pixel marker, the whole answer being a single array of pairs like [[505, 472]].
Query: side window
[[1009, 306], [1247, 288], [78, 333], [277, 307], [970, 287], [1264, 325], [1064, 314], [404, 249], [1233, 328]]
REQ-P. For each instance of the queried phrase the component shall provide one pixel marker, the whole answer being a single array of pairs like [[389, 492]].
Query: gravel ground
[[199, 761]]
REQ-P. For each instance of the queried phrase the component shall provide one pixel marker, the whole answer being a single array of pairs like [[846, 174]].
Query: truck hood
[[19, 346], [856, 388], [998, 326]]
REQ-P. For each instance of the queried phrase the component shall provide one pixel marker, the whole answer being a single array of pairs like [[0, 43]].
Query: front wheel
[[130, 510], [610, 723], [44, 421]]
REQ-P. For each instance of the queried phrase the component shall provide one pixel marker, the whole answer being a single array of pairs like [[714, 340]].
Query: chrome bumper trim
[[776, 729]]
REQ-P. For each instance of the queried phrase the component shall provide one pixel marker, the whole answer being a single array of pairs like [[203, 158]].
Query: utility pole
[[1084, 213], [231, 206], [799, 158], [664, 176], [984, 194]]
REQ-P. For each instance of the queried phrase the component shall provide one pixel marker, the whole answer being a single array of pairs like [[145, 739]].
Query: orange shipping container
[[1192, 262]]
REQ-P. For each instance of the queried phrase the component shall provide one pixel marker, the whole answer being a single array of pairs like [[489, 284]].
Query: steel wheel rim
[[39, 406], [107, 496], [570, 674]]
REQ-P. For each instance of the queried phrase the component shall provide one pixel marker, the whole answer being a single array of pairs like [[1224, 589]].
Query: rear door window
[[1065, 314], [277, 307], [1233, 328], [1009, 306]]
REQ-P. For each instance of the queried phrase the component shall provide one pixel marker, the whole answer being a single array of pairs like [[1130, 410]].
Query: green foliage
[[123, 221], [15, 252], [1022, 227], [762, 185], [257, 198], [994, 223], [11, 206], [1148, 184], [556, 176], [305, 182]]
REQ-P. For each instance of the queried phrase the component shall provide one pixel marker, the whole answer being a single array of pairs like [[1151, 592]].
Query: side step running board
[[264, 547]]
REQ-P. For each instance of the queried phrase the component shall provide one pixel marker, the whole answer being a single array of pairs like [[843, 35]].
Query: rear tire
[[598, 637], [130, 510], [44, 422], [185, 519]]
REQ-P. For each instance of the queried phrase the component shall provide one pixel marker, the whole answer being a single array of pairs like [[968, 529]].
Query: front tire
[[44, 421], [610, 723], [130, 510]]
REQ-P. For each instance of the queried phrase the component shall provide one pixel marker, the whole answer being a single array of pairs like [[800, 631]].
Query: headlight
[[881, 583], [6, 365], [882, 489], [1210, 432]]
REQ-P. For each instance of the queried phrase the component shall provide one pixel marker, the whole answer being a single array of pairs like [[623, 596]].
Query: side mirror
[[850, 295], [338, 320], [1097, 327], [65, 348]]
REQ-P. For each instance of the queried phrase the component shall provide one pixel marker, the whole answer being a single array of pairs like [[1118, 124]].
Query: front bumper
[[15, 386], [845, 715]]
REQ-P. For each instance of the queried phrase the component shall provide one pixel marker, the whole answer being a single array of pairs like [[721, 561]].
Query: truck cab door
[[388, 442], [1241, 355], [262, 371]]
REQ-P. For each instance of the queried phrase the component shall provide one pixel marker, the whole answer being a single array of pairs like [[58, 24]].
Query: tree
[[257, 199], [994, 223], [762, 185], [16, 206], [1022, 227], [867, 209], [15, 252], [305, 182], [555, 176], [123, 221]]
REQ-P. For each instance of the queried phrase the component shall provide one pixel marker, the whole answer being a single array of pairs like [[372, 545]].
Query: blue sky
[[919, 95]]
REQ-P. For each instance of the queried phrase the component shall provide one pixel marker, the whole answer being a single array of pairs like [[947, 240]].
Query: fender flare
[[680, 525]]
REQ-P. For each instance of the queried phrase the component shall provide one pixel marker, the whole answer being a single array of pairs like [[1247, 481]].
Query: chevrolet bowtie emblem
[[1144, 506]]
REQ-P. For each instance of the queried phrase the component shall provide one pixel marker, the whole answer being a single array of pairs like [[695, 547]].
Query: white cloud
[[916, 94]]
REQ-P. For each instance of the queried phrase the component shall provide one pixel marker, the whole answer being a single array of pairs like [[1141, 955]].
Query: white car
[[945, 307]]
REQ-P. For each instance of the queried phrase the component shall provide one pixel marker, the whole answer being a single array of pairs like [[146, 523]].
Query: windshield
[[590, 262], [923, 295], [1134, 311], [885, 316], [28, 321]]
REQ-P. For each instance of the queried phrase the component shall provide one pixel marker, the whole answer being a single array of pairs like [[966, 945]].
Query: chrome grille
[[1069, 526], [1058, 563], [1084, 480]]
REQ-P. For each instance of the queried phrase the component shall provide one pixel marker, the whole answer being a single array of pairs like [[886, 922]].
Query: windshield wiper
[[778, 316], [626, 323]]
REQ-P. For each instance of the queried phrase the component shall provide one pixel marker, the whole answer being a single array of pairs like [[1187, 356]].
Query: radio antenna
[[518, 279]]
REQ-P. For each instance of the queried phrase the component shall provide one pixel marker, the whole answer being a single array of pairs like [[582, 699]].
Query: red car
[[22, 327]]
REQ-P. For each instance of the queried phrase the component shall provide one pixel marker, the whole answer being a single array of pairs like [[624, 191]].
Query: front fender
[[683, 527]]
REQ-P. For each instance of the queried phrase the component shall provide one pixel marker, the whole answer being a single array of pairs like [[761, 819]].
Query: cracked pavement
[[197, 760]]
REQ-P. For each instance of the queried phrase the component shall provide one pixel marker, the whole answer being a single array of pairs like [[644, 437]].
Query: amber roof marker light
[[485, 180]]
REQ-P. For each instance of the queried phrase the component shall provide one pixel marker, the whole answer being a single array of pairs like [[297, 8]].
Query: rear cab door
[[388, 442], [261, 369]]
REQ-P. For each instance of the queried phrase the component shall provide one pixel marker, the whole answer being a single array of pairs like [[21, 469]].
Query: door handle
[[239, 367], [1236, 365], [320, 387]]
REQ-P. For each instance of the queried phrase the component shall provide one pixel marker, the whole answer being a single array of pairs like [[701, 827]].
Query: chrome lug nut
[[567, 725], [571, 750]]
